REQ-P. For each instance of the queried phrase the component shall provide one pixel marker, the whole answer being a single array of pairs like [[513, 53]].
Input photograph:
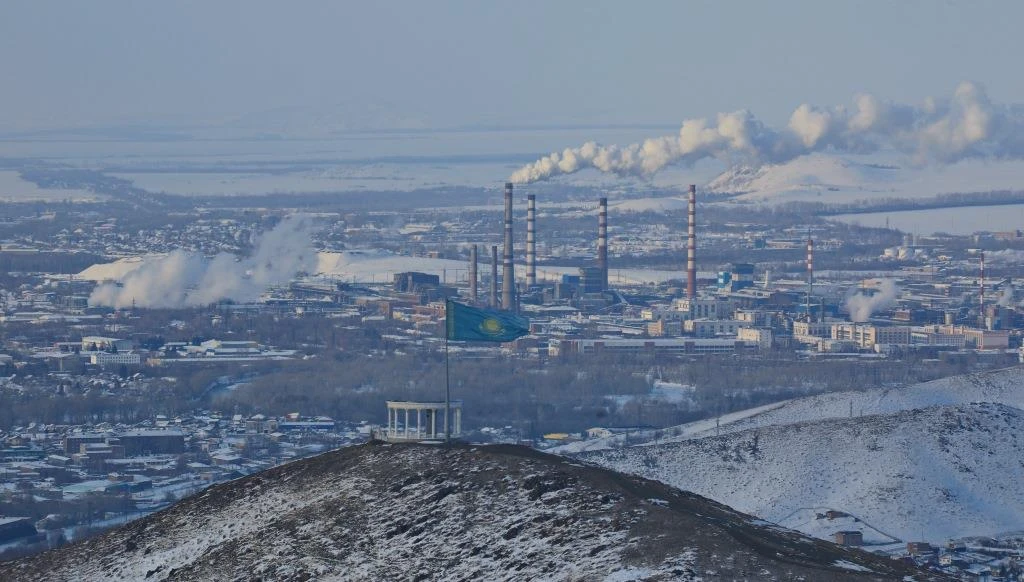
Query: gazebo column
[[406, 423]]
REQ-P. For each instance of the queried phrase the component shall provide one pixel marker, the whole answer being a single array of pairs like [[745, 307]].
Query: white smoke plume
[[180, 279], [861, 303], [966, 125], [1006, 297], [1007, 256]]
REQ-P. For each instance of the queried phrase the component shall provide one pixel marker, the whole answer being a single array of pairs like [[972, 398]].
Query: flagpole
[[465, 323], [447, 381]]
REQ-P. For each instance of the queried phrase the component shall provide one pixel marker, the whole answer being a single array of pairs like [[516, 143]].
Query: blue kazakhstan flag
[[465, 323]]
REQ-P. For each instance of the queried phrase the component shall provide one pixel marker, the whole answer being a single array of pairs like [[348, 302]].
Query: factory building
[[93, 343], [670, 347], [411, 282], [592, 279], [705, 307], [115, 359], [867, 336], [979, 339], [713, 327], [664, 328], [762, 337], [741, 276], [816, 329]]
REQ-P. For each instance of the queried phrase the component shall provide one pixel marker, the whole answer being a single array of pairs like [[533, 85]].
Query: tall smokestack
[[472, 273], [508, 275], [531, 241], [602, 240], [981, 298], [810, 274], [494, 277], [691, 245]]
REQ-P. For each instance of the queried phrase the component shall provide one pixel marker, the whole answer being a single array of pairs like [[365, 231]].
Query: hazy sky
[[468, 63]]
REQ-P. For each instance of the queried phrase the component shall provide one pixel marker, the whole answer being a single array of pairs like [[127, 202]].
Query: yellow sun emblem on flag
[[491, 326]]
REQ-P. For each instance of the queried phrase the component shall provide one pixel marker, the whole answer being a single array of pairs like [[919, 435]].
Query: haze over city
[[468, 64]]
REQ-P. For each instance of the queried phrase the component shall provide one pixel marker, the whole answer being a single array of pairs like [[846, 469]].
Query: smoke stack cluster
[[531, 242], [494, 277], [508, 272], [472, 274], [602, 241], [691, 245]]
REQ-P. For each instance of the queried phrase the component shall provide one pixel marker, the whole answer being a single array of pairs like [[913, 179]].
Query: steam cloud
[[968, 125], [181, 279], [861, 305], [1008, 256], [1006, 297]]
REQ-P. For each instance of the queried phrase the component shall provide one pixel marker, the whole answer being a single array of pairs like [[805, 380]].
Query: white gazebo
[[421, 421]]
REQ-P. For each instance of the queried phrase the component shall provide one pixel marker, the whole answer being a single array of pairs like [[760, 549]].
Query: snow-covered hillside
[[936, 473], [812, 177], [890, 456], [829, 178], [1004, 386], [382, 512]]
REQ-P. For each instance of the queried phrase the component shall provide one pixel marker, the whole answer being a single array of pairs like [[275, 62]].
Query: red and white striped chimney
[[810, 275], [981, 298], [810, 261], [691, 245], [531, 242]]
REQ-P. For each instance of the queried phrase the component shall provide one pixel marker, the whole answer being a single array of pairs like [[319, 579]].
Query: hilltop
[[419, 512]]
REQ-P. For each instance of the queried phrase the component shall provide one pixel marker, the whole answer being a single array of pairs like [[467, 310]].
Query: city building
[[867, 336]]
